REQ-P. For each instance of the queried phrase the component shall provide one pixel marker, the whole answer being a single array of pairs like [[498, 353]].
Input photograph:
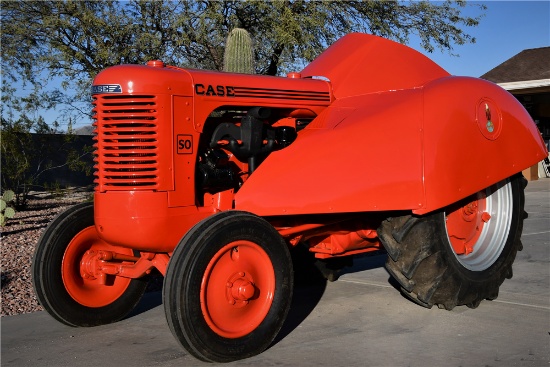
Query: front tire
[[461, 255], [228, 287], [58, 283]]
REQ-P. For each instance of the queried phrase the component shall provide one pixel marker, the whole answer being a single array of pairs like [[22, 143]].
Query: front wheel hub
[[240, 289], [237, 289]]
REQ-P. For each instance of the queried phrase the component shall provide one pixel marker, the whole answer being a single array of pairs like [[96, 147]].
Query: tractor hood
[[360, 63]]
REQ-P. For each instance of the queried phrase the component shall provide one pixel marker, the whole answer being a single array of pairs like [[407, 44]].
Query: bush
[[6, 211], [27, 157]]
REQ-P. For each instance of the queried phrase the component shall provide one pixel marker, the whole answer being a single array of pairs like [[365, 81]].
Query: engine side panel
[[361, 154]]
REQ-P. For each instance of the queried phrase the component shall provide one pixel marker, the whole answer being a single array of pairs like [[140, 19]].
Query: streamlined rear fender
[[475, 135], [418, 149]]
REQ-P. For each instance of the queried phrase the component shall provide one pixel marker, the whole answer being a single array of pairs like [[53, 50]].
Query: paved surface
[[360, 320]]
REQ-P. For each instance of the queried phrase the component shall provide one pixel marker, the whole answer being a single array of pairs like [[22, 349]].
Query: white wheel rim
[[494, 234]]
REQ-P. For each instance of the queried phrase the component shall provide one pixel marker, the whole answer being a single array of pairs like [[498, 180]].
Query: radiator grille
[[126, 151]]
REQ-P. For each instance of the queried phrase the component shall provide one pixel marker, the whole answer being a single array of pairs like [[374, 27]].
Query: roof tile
[[530, 64]]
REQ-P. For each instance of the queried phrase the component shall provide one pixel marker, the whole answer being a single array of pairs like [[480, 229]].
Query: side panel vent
[[297, 95]]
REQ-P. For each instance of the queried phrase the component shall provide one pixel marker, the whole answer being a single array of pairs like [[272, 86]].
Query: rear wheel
[[61, 289], [228, 287], [462, 255]]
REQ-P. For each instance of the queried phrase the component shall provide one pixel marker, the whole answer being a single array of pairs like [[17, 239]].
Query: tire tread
[[423, 271]]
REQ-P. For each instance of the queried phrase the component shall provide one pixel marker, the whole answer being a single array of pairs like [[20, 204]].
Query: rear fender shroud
[[418, 149], [476, 134]]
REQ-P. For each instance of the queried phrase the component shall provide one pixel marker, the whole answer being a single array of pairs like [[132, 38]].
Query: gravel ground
[[19, 237]]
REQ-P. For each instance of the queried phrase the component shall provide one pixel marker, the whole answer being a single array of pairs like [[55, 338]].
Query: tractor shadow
[[304, 300], [307, 295], [149, 301], [372, 261], [152, 297], [366, 262]]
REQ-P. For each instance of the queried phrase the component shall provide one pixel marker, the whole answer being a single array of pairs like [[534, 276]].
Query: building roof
[[84, 130], [528, 65]]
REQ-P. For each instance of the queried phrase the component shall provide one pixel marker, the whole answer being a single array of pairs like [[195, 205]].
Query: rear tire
[[459, 256], [57, 282], [228, 287]]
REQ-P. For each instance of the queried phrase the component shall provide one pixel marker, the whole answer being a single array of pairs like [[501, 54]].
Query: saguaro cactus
[[239, 53]]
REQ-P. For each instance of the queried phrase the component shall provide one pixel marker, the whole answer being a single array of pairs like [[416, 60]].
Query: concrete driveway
[[360, 320]]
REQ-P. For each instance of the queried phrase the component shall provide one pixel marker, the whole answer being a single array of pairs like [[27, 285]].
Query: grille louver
[[126, 142]]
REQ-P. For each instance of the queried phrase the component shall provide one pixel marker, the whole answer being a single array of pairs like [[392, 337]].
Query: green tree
[[74, 40]]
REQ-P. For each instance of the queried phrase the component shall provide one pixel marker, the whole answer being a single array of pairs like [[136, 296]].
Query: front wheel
[[59, 285], [228, 287], [461, 255]]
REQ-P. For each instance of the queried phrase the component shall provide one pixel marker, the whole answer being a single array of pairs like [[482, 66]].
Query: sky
[[507, 28]]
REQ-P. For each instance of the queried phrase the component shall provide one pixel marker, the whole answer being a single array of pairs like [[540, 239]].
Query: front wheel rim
[[237, 289], [478, 231], [90, 291]]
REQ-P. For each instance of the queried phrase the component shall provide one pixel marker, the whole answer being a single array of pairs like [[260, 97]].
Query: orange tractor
[[213, 179]]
